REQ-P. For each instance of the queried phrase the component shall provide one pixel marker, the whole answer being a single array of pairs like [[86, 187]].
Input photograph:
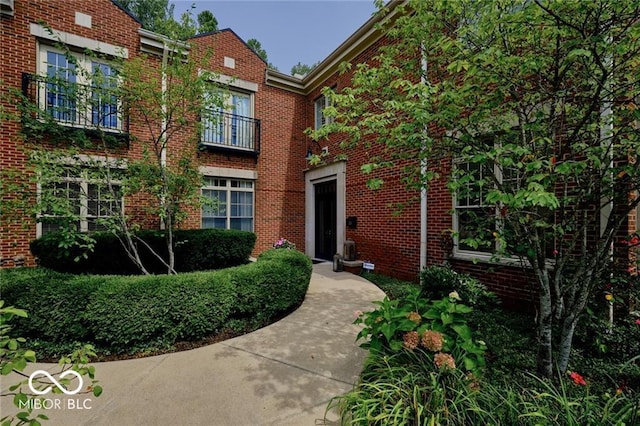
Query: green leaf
[[446, 318], [462, 330], [97, 391]]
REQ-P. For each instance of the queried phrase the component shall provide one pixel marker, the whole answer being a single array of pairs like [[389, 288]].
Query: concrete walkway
[[283, 374]]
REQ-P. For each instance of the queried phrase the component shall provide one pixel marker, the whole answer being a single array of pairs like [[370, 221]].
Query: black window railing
[[71, 104], [229, 131]]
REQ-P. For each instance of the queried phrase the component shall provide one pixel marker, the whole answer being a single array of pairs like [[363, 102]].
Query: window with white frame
[[233, 125], [78, 90], [473, 218], [79, 200], [320, 105], [231, 203], [477, 223]]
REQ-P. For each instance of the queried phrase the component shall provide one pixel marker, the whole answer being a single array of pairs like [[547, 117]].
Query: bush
[[439, 281], [195, 250], [275, 284], [53, 300], [124, 314], [132, 313], [437, 331]]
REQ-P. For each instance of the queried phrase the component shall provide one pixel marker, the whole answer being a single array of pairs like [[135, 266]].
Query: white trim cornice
[[78, 41]]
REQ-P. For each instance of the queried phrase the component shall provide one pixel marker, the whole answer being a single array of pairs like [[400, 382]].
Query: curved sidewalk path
[[283, 374]]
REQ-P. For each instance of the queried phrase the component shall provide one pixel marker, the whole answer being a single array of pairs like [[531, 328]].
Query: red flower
[[638, 321], [577, 378], [634, 240]]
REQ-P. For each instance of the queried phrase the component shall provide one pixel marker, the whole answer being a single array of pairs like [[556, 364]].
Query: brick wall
[[109, 24], [279, 189]]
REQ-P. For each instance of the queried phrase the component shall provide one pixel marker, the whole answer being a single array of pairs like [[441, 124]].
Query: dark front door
[[325, 193]]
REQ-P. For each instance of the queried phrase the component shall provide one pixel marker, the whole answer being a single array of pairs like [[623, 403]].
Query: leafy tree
[[302, 69], [529, 108], [256, 46], [158, 16], [207, 22], [153, 14], [163, 99]]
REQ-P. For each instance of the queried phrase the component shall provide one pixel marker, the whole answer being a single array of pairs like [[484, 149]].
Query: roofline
[[125, 10], [235, 34], [155, 43], [359, 41]]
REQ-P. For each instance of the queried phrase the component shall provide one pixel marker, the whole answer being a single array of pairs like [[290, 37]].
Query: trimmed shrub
[[132, 313], [124, 314], [274, 284], [439, 281], [195, 250], [54, 302]]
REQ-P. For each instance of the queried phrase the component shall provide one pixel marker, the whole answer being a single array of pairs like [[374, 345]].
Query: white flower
[[454, 295]]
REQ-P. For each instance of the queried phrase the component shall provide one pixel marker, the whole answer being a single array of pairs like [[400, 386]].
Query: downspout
[[423, 190]]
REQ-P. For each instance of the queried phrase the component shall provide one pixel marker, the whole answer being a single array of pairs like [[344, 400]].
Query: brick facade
[[399, 243]]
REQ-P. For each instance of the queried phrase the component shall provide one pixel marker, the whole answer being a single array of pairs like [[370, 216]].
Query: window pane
[[319, 107], [67, 199], [241, 204], [479, 224], [219, 223], [104, 110], [242, 224], [61, 88]]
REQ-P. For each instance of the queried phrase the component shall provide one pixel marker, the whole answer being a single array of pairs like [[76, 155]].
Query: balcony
[[75, 106], [232, 133]]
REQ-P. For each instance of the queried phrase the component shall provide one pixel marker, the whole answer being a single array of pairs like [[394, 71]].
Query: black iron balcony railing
[[76, 105], [230, 132]]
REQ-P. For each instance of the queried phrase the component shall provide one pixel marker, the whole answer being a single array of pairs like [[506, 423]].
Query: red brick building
[[255, 161]]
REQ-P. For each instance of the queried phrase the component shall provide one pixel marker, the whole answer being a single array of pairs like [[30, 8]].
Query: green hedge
[[195, 250], [121, 314]]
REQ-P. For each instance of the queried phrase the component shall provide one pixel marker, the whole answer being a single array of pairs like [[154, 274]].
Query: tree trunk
[[545, 322], [566, 339]]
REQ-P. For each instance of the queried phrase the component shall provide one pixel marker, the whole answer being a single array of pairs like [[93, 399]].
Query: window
[[232, 126], [80, 200], [473, 218], [77, 90], [476, 219], [232, 204], [319, 106]]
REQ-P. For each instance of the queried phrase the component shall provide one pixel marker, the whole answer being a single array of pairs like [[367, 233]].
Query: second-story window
[[320, 105], [78, 90], [232, 126]]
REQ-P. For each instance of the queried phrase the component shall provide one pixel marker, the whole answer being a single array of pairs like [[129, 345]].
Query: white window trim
[[322, 99], [229, 175], [480, 256], [78, 41], [228, 108], [89, 160], [83, 197], [86, 63]]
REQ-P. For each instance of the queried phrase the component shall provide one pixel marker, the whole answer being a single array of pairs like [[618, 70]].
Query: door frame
[[336, 171]]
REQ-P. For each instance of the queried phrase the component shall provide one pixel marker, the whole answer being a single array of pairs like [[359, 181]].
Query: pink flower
[[577, 378], [634, 241], [555, 252], [637, 322], [410, 340], [432, 340], [442, 360]]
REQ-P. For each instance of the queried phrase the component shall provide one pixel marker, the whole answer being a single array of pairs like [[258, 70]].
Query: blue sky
[[290, 31]]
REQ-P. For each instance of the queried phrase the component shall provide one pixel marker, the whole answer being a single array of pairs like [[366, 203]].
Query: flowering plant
[[283, 243], [435, 330]]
